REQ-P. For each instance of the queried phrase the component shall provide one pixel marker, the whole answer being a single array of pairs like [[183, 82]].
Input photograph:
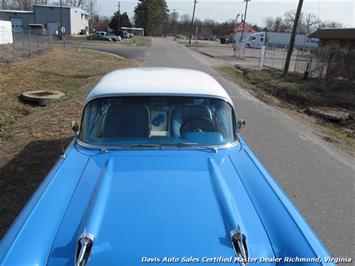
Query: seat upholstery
[[127, 121], [180, 113]]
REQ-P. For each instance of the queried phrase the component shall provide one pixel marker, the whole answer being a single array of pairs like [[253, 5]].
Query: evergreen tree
[[124, 21], [152, 15]]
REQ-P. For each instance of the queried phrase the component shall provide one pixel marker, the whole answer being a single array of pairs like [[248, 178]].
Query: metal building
[[75, 20]]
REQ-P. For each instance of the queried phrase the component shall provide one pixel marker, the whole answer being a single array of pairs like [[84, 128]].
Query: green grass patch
[[136, 40]]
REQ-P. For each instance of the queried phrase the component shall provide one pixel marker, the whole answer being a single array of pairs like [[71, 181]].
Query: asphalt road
[[319, 178], [132, 52]]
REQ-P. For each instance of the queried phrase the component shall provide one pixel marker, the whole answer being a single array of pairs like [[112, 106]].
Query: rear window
[[160, 120]]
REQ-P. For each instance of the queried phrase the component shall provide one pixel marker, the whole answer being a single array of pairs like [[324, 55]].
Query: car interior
[[129, 120]]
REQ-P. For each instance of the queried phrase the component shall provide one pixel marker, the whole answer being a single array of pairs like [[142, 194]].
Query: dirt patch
[[299, 96], [30, 136]]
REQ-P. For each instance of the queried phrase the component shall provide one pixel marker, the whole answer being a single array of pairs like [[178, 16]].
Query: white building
[[75, 20]]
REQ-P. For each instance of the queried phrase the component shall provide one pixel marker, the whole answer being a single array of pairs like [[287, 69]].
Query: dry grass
[[135, 41], [30, 135], [328, 131]]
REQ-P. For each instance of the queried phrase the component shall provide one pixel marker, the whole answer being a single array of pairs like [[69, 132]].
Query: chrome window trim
[[115, 95], [127, 148]]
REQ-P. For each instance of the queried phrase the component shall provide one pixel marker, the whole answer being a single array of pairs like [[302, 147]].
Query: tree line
[[308, 23], [155, 17]]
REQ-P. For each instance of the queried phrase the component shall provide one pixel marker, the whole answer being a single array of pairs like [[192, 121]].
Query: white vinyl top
[[158, 81]]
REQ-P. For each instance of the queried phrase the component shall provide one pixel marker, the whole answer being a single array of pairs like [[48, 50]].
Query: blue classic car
[[158, 173]]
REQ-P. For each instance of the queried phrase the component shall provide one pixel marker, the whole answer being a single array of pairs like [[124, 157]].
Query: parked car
[[130, 35], [104, 36], [225, 40], [123, 34], [119, 33], [159, 169]]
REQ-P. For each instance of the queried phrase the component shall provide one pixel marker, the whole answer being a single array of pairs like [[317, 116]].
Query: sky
[[342, 11]]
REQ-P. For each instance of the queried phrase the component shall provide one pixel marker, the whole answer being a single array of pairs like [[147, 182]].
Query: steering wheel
[[197, 124]]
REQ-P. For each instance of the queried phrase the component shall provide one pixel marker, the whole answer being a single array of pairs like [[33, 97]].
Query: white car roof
[[158, 81]]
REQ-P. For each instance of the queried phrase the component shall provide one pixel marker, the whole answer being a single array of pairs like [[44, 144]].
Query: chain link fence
[[25, 44], [302, 60]]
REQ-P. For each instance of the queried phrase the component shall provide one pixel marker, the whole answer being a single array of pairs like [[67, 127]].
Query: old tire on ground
[[41, 97]]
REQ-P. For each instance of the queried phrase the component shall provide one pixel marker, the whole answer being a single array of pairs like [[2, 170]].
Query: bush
[[257, 76]]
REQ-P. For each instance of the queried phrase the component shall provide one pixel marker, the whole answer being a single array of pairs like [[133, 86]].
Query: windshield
[[157, 120]]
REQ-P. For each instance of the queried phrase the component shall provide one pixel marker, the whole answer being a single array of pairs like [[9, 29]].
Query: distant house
[[75, 20], [247, 28], [344, 38]]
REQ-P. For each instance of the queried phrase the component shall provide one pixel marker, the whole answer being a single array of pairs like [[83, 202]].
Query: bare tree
[[276, 24], [311, 22], [18, 4], [91, 8], [328, 24], [279, 25], [289, 18], [75, 3], [268, 23]]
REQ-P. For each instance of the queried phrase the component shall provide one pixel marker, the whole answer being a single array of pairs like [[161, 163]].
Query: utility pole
[[292, 40], [245, 17], [146, 19], [119, 16], [174, 22], [192, 21], [61, 20]]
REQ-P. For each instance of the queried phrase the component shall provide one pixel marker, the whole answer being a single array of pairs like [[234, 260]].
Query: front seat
[[127, 121], [181, 113]]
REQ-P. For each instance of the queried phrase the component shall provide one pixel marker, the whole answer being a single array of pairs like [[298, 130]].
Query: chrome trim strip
[[125, 147], [109, 95]]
